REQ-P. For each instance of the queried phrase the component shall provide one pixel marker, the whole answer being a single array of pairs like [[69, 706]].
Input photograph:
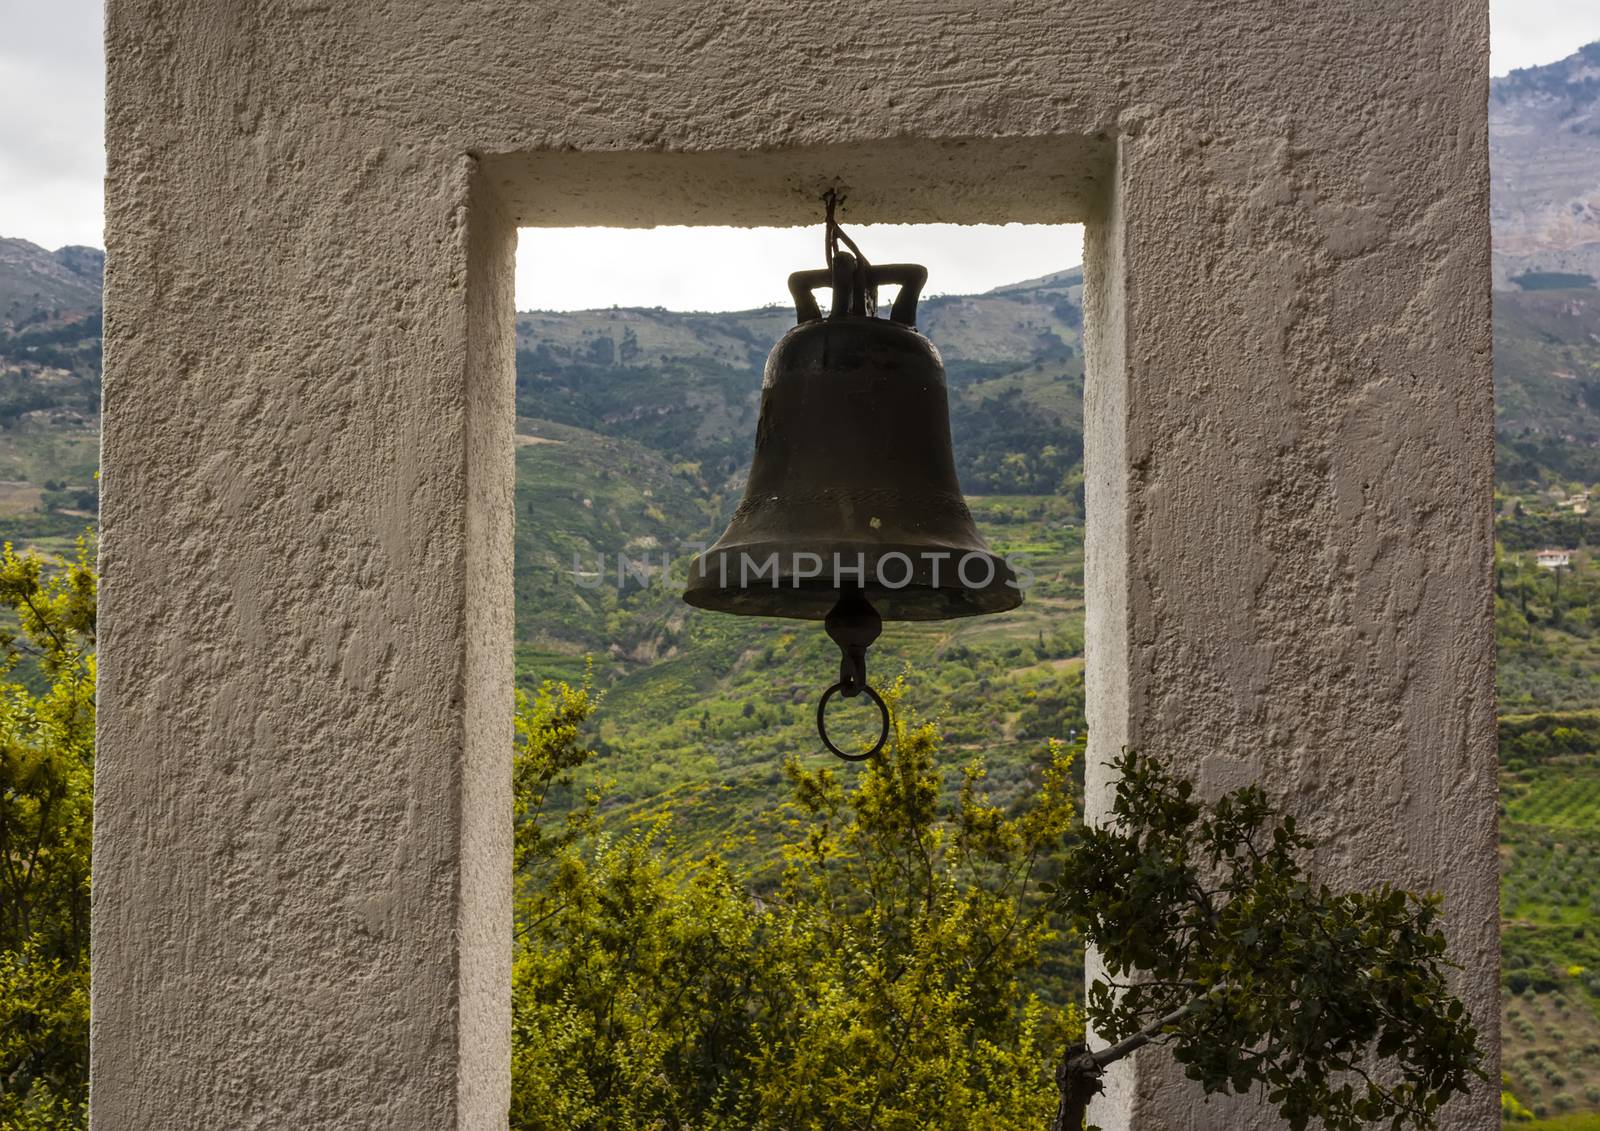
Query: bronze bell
[[852, 511]]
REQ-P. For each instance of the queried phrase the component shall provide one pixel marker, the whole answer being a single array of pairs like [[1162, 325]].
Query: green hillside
[[1548, 628], [1547, 384], [634, 431], [591, 508]]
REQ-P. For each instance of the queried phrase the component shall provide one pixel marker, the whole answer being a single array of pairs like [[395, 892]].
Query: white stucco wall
[[302, 814]]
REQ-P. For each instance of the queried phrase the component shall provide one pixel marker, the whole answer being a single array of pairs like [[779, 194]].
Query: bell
[[853, 486], [852, 513]]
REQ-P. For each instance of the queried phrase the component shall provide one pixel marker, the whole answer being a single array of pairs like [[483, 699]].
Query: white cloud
[[1527, 33], [51, 157], [739, 268]]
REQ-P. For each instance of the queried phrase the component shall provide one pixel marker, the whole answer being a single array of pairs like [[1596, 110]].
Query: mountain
[[39, 287], [49, 388], [1544, 161], [1547, 385], [634, 432]]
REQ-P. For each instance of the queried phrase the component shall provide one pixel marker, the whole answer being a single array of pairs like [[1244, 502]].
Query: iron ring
[[822, 724]]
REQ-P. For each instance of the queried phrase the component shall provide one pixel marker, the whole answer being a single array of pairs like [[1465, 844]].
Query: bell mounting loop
[[909, 277], [853, 624], [852, 291], [855, 282]]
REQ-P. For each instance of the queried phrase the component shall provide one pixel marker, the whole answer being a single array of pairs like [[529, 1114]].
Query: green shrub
[[1534, 738], [46, 767], [893, 968], [1512, 1109]]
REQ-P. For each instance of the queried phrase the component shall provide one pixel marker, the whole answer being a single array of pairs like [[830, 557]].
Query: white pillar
[[302, 882], [1289, 427]]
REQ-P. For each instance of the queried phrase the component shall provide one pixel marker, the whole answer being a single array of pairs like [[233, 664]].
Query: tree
[[47, 676], [886, 978], [1217, 946]]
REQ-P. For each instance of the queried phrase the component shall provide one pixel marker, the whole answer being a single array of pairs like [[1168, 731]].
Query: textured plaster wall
[[302, 814]]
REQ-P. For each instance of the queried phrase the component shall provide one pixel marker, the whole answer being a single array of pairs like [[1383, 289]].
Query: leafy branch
[[1219, 947]]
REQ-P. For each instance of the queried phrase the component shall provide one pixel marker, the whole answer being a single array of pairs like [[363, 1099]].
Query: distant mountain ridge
[[686, 385], [38, 285], [1544, 159]]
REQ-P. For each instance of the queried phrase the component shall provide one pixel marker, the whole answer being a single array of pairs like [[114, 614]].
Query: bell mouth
[[903, 582]]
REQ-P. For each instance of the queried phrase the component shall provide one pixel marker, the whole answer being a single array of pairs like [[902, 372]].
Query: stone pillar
[[302, 881], [1290, 541], [302, 813]]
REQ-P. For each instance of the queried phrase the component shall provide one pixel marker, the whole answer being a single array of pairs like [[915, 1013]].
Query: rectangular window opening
[[639, 361]]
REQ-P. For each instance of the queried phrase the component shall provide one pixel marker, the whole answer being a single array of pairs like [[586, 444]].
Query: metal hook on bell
[[853, 624]]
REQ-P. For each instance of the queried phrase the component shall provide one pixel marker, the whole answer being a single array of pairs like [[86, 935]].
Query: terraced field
[[702, 727], [1550, 903], [1579, 1122]]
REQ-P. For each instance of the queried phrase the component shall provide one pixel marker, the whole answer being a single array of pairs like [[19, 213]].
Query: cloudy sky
[[51, 166]]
